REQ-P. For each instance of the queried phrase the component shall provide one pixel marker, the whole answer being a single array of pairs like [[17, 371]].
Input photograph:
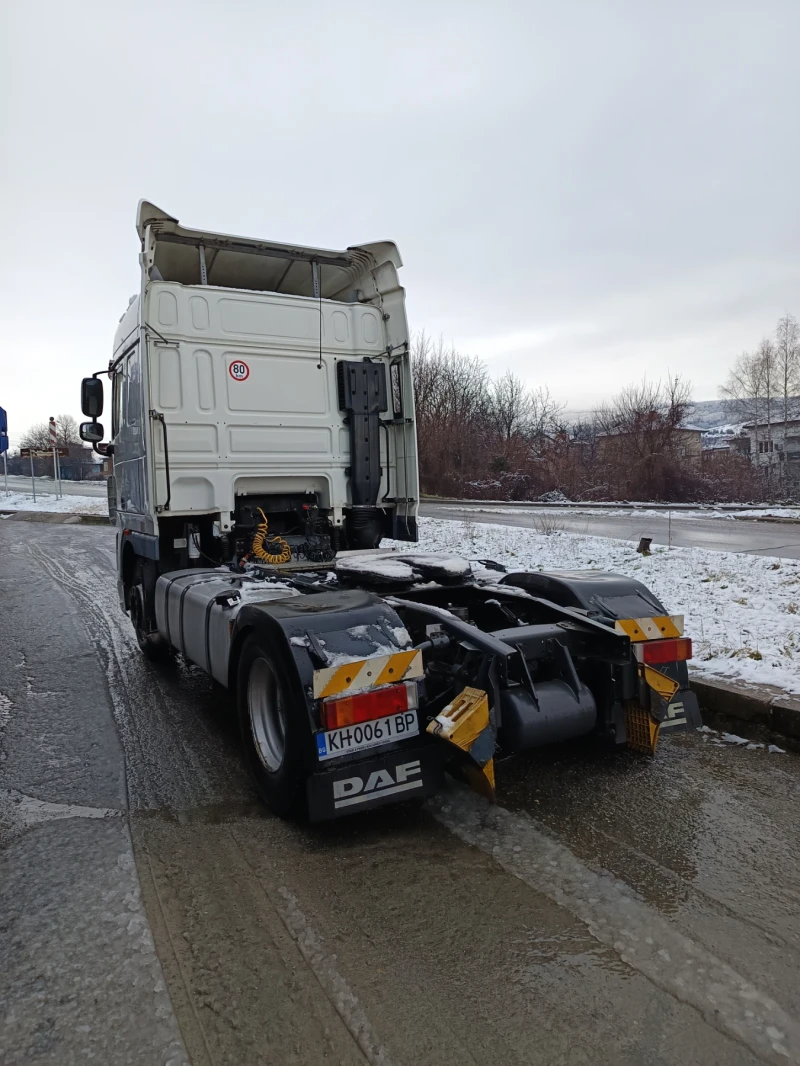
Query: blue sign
[[3, 431]]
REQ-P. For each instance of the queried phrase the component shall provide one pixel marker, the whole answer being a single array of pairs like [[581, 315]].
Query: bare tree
[[544, 415], [749, 396], [509, 407], [743, 393], [787, 365], [451, 397], [638, 428], [38, 436], [765, 355]]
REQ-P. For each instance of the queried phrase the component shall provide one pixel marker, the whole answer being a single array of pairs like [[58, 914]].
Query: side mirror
[[92, 431], [92, 398]]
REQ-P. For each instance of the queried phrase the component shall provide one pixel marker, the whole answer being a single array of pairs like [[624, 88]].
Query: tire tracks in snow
[[153, 711]]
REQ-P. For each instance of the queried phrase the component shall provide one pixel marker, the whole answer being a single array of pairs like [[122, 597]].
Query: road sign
[[47, 453], [53, 432], [4, 444], [239, 371]]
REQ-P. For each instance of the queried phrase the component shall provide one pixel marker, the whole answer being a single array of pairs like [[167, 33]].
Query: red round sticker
[[239, 371]]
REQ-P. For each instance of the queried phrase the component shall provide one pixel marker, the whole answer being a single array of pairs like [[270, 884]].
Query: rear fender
[[608, 598], [604, 595], [310, 633]]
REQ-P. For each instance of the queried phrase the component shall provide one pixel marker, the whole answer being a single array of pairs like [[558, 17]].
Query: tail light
[[374, 703], [664, 651]]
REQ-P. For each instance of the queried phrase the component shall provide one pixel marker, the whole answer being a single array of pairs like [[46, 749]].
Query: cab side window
[[134, 400], [117, 385]]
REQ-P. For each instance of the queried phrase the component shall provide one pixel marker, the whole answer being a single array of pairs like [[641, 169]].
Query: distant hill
[[705, 414], [708, 415]]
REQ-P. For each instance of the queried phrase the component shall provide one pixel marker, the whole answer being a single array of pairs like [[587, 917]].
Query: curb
[[55, 517], [768, 707]]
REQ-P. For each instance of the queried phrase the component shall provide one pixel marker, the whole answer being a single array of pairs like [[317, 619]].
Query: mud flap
[[467, 728], [403, 774], [642, 728], [681, 714], [666, 705]]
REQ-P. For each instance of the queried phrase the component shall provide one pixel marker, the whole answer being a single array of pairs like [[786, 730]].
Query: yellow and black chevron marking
[[466, 725], [643, 730], [656, 628], [663, 685], [361, 674]]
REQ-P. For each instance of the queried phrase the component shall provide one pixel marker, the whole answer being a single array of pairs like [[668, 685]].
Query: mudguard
[[315, 635], [609, 597], [603, 595], [316, 631]]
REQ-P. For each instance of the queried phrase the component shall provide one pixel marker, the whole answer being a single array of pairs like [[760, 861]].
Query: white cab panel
[[247, 385]]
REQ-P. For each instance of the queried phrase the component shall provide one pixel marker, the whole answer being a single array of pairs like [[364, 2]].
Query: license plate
[[367, 734]]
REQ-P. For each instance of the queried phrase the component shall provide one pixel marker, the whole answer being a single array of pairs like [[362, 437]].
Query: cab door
[[127, 430]]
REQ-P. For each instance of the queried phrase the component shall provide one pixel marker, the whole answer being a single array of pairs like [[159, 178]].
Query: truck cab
[[258, 386]]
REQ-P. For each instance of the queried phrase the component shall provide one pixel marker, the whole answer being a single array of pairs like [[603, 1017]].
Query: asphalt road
[[610, 909], [719, 534], [48, 486]]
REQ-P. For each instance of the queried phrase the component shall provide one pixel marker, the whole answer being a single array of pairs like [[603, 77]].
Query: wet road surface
[[750, 537], [609, 909]]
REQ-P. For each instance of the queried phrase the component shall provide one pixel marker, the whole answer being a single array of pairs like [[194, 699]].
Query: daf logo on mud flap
[[353, 790], [676, 716]]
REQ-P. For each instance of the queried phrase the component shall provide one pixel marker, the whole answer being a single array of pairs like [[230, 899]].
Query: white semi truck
[[263, 441]]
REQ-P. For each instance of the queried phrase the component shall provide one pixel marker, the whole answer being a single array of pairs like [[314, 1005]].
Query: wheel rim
[[267, 716], [136, 615]]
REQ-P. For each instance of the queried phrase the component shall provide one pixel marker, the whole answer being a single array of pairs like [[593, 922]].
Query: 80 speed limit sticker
[[239, 371]]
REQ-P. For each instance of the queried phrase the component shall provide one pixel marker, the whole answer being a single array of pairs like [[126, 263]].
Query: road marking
[[616, 916], [23, 811]]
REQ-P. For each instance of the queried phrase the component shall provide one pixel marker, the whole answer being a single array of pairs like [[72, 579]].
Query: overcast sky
[[581, 191]]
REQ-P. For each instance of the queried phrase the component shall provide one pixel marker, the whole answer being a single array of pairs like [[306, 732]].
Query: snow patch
[[5, 710], [454, 565], [401, 635], [380, 566], [742, 611], [23, 501]]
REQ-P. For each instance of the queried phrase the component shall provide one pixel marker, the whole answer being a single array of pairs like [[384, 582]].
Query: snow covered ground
[[742, 611], [22, 501]]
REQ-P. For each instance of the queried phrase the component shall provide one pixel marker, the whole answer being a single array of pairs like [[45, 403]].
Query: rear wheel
[[152, 645], [273, 730]]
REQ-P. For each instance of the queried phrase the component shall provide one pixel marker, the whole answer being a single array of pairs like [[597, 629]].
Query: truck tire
[[273, 734], [152, 645]]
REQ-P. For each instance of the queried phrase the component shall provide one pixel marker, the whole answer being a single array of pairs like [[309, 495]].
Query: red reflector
[[666, 651], [375, 703]]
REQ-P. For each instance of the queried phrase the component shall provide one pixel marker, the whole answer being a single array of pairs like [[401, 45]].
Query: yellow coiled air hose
[[284, 551]]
